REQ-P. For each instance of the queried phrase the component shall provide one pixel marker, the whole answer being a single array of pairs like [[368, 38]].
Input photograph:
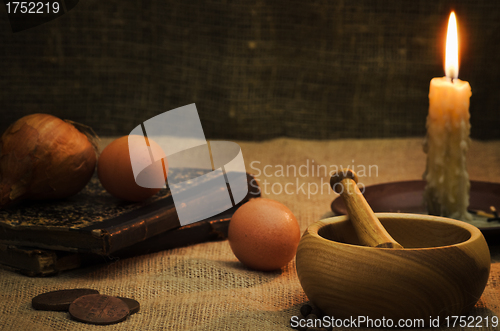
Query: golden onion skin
[[44, 157]]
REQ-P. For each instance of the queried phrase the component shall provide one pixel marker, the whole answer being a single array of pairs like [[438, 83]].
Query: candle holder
[[408, 197]]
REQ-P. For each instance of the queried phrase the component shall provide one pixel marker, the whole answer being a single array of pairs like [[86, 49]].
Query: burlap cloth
[[204, 287], [256, 69]]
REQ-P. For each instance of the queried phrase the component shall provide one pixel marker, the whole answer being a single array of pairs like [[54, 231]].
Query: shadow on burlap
[[256, 69], [204, 287]]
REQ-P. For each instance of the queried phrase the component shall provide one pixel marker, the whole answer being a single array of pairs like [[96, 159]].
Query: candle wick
[[452, 80]]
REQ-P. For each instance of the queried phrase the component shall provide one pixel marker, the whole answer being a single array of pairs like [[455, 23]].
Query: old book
[[93, 221], [45, 262]]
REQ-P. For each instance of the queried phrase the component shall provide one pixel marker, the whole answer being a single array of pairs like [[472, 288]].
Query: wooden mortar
[[441, 271]]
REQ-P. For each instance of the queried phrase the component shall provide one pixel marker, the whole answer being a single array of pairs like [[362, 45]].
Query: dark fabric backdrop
[[256, 69]]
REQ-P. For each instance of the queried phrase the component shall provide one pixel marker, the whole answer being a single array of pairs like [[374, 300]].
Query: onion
[[44, 157]]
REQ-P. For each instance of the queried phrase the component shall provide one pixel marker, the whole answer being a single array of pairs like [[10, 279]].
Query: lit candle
[[447, 140]]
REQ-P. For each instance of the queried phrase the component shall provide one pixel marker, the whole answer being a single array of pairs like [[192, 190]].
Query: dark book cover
[[36, 262], [95, 222]]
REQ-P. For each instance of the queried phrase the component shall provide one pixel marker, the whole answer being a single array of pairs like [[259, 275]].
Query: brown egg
[[114, 168], [264, 234]]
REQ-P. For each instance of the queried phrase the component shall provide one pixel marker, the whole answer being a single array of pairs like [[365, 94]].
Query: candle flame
[[451, 60]]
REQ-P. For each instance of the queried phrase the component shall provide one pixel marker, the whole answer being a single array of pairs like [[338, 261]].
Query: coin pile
[[87, 305]]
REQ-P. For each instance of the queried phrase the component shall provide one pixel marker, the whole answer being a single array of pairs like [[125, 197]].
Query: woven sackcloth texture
[[204, 287], [256, 69]]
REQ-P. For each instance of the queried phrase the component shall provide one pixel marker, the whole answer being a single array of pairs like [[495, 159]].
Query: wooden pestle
[[368, 227]]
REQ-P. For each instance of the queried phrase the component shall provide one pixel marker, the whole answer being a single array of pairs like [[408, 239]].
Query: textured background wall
[[255, 69]]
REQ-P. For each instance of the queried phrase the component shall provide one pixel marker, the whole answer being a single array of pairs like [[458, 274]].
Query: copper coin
[[59, 300], [98, 309], [132, 304]]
